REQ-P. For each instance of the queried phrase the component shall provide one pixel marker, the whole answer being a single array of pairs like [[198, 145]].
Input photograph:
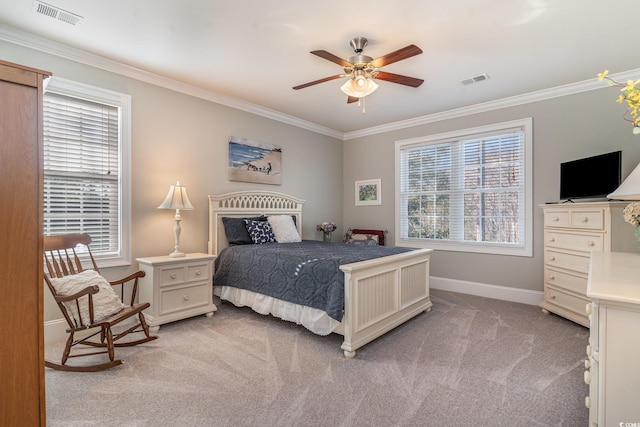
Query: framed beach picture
[[368, 192], [253, 161]]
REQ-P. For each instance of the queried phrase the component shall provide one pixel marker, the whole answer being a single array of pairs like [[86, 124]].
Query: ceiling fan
[[363, 69]]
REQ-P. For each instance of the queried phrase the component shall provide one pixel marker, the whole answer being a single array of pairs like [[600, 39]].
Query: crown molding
[[15, 36], [18, 37], [512, 101]]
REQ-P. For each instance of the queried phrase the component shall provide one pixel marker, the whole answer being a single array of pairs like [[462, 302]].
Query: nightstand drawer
[[573, 241], [568, 261], [198, 272], [171, 276], [572, 282], [187, 297]]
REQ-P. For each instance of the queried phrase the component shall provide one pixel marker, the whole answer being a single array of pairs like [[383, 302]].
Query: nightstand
[[177, 288]]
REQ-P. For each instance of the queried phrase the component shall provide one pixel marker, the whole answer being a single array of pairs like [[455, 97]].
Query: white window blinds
[[470, 190], [82, 170]]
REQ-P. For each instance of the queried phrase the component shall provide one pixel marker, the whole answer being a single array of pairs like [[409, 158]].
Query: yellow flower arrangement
[[630, 95]]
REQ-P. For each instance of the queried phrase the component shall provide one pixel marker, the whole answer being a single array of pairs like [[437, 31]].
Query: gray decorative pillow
[[260, 231], [236, 230]]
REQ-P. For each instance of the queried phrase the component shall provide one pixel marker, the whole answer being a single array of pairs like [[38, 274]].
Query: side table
[[177, 288]]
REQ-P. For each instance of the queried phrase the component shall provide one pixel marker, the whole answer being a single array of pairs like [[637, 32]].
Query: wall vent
[[475, 79], [56, 13]]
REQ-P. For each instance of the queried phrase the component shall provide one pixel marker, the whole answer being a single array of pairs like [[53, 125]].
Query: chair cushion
[[284, 229], [105, 301]]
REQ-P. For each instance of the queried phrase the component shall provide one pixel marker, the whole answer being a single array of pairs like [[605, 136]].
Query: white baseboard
[[55, 330], [523, 296]]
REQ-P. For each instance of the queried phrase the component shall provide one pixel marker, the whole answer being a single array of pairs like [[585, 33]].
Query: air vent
[[475, 79], [56, 13]]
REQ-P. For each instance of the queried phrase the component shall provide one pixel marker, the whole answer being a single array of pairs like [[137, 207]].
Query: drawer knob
[[552, 258], [587, 402], [587, 377], [588, 308], [556, 219], [584, 219], [590, 243], [173, 276], [186, 297], [552, 239], [198, 272], [552, 295], [552, 277]]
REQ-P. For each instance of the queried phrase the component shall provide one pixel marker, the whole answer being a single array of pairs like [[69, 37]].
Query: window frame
[[123, 103], [526, 250]]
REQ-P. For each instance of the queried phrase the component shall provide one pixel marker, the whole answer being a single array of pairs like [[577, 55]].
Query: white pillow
[[284, 229], [105, 301]]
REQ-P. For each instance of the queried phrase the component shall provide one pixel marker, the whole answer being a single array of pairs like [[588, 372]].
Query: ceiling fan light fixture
[[353, 87]]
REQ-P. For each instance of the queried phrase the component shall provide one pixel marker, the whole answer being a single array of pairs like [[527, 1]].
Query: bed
[[379, 294]]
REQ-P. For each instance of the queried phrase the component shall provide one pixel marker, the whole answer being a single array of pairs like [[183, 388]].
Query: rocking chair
[[88, 301]]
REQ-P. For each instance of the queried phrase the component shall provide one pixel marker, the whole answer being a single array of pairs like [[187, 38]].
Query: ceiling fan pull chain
[[364, 105]]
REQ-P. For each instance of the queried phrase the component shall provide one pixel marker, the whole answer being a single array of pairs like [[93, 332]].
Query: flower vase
[[638, 236], [326, 237]]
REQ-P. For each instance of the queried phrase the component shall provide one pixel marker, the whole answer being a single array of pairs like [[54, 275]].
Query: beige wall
[[564, 128], [180, 137]]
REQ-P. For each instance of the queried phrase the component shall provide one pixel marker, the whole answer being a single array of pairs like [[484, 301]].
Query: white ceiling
[[257, 50]]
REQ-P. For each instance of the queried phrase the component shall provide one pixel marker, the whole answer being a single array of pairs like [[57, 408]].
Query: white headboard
[[246, 204]]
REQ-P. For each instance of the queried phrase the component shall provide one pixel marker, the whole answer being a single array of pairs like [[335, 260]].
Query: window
[[467, 191], [86, 167]]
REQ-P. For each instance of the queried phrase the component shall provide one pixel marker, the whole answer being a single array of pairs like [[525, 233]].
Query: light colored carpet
[[471, 361]]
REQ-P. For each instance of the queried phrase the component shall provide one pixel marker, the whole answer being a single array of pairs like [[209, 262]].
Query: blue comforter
[[304, 273]]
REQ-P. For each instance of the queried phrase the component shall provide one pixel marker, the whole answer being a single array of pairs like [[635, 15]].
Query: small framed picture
[[368, 192]]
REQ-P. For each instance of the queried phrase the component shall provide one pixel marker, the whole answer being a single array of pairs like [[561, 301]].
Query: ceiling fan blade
[[315, 82], [398, 55], [352, 99], [331, 57], [397, 78]]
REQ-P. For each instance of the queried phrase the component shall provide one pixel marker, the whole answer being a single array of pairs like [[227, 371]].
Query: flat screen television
[[591, 177]]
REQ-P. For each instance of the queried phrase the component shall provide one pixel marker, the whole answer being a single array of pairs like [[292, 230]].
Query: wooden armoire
[[22, 389]]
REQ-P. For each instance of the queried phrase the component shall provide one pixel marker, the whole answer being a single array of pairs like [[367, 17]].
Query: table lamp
[[177, 199]]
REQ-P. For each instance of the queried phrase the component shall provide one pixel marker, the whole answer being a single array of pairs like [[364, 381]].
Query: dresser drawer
[[184, 298], [171, 275], [574, 241], [563, 280], [588, 219], [568, 261], [565, 300], [557, 218]]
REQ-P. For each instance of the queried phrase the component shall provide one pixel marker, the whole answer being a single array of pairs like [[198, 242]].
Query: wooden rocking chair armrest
[[134, 290], [130, 277], [86, 291]]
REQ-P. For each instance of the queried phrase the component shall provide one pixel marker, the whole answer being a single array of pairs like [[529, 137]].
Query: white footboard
[[381, 294]]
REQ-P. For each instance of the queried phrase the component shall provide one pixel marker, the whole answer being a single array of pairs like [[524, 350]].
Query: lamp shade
[[177, 198], [359, 87], [630, 187]]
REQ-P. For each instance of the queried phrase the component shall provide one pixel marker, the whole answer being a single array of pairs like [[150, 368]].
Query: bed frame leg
[[349, 354]]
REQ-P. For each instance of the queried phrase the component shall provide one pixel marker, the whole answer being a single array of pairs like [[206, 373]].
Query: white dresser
[[177, 288], [613, 363], [571, 232]]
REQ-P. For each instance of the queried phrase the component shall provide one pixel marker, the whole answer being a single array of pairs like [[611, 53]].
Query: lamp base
[[176, 254]]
